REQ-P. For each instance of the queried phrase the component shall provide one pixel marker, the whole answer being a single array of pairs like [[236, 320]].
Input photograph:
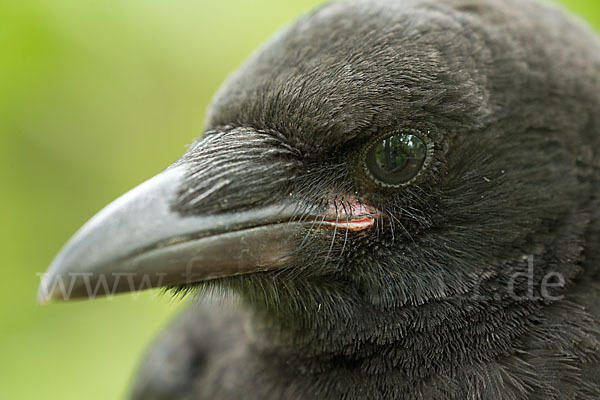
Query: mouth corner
[[352, 215]]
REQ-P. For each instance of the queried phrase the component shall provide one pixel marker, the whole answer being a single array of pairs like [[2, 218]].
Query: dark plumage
[[478, 279]]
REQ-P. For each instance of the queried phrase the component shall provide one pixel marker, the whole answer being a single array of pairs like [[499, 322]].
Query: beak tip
[[45, 293], [43, 298]]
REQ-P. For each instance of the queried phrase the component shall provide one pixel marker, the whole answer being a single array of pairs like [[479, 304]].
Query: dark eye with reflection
[[396, 159]]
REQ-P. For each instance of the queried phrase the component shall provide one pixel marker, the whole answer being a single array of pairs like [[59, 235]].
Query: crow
[[392, 199]]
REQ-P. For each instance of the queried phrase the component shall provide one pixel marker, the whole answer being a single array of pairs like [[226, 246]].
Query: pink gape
[[352, 215]]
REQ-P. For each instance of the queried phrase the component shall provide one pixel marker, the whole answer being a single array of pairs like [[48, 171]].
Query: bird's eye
[[395, 160]]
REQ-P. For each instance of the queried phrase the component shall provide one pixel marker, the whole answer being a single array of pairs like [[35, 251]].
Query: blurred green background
[[95, 97]]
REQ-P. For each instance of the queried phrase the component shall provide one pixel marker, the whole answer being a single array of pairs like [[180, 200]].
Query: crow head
[[377, 167]]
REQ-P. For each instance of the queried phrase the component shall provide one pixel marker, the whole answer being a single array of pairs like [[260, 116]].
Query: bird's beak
[[138, 242]]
